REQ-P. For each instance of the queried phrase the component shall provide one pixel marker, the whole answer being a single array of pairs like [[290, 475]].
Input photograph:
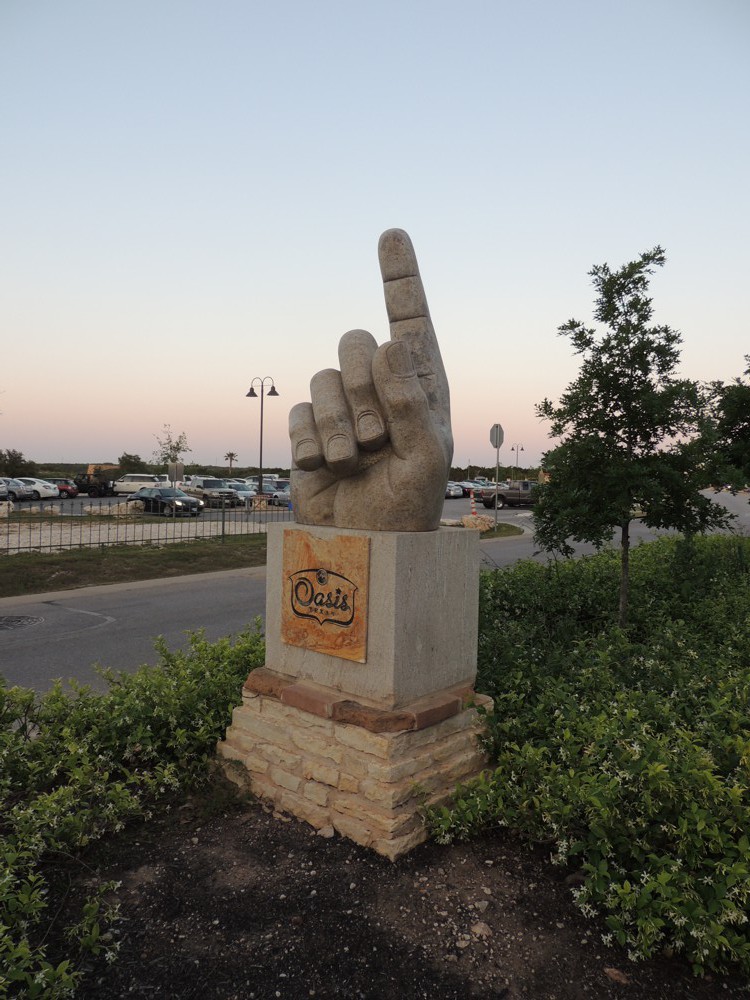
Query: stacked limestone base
[[370, 786]]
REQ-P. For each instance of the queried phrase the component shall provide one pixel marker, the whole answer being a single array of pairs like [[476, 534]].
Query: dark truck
[[516, 493], [98, 480]]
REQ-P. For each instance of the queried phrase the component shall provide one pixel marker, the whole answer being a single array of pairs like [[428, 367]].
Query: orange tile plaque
[[325, 594]]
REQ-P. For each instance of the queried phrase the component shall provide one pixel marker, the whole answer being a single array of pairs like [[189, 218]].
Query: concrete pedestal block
[[422, 614]]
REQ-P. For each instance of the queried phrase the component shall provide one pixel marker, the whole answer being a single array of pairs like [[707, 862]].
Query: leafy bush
[[628, 752], [75, 767]]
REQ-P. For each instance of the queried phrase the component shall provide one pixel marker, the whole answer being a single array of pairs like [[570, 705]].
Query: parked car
[[135, 480], [471, 486], [212, 491], [17, 490], [167, 500], [453, 490], [41, 489], [3, 491], [243, 491], [281, 496], [65, 487], [516, 493]]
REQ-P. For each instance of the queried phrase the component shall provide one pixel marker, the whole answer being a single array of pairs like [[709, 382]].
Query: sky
[[192, 195]]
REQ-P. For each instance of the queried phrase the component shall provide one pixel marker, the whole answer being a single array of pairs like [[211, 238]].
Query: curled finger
[[334, 422], [356, 351], [307, 448]]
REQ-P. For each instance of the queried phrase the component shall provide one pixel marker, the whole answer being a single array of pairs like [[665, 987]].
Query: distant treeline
[[72, 469]]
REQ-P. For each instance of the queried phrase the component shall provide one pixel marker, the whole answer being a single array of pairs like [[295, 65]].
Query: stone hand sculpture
[[373, 449]]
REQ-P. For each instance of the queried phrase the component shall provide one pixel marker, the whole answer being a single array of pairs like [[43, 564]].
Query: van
[[134, 481]]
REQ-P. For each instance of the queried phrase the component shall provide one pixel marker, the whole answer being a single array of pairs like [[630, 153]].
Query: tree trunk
[[624, 572]]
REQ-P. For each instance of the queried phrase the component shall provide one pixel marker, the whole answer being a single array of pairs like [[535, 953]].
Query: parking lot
[[54, 525], [86, 522]]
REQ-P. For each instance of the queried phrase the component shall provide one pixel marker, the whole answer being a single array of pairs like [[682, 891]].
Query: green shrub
[[628, 752], [74, 767]]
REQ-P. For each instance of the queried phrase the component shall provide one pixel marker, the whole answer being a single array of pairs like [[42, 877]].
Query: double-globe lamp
[[261, 382]]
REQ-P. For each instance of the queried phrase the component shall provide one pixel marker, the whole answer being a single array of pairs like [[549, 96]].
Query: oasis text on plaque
[[325, 594]]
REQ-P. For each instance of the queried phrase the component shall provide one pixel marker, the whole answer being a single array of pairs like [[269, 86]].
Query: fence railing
[[53, 526]]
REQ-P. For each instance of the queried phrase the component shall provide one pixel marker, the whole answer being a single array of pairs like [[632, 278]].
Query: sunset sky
[[192, 195]]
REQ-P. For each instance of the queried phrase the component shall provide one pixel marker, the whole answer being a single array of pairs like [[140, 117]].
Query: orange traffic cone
[[473, 505]]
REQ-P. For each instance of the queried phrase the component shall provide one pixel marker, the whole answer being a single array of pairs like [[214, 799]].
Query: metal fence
[[55, 526]]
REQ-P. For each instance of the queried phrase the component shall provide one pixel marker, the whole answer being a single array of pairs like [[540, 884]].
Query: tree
[[131, 463], [732, 413], [231, 457], [632, 441], [170, 448], [12, 463]]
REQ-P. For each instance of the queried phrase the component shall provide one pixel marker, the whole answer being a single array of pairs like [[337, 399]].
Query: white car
[[41, 489]]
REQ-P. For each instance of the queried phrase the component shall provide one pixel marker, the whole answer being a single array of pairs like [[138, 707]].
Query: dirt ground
[[226, 900]]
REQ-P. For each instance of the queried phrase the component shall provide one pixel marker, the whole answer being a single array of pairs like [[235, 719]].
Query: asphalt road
[[65, 634]]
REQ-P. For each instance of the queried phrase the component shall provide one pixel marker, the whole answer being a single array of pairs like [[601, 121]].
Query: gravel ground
[[252, 905]]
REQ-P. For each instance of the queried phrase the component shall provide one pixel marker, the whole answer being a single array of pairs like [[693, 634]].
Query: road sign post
[[496, 439]]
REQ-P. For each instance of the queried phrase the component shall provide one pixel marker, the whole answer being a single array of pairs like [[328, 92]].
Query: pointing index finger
[[409, 316], [404, 295]]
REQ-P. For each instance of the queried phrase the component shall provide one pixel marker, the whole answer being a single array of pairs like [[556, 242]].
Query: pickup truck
[[213, 492], [516, 493]]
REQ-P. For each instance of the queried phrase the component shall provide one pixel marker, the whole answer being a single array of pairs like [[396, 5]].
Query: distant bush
[[75, 767], [628, 752]]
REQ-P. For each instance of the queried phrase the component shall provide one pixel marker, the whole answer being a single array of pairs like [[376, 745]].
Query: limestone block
[[247, 750], [383, 822], [397, 846], [279, 755], [451, 746], [317, 745], [257, 728], [279, 713], [377, 744], [352, 828], [303, 808], [315, 771], [410, 767], [283, 779], [348, 783], [376, 794], [389, 796], [316, 793]]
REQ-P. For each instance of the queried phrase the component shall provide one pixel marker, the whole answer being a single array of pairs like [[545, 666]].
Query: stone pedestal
[[364, 711]]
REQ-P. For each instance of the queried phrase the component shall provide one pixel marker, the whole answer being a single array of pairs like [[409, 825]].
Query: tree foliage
[[631, 432], [170, 448], [732, 412], [12, 463], [231, 457], [131, 463]]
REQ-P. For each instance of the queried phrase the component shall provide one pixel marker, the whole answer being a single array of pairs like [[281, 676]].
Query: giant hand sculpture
[[373, 449]]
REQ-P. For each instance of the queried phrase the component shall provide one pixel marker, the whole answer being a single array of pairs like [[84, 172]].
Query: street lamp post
[[516, 448], [254, 395]]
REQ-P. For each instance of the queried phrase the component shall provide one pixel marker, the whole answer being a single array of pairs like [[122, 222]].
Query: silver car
[[17, 490]]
